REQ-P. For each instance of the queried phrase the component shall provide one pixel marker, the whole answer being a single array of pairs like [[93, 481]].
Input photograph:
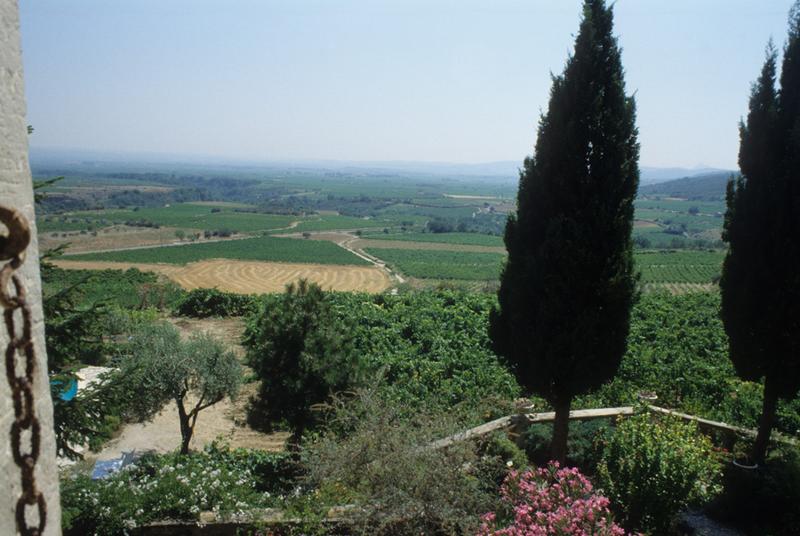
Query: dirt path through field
[[362, 243], [349, 242], [252, 277], [357, 245]]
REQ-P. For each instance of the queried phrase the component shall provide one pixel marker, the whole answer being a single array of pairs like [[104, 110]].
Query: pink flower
[[550, 501]]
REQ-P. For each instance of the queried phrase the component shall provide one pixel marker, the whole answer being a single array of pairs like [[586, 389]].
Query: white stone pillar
[[16, 191]]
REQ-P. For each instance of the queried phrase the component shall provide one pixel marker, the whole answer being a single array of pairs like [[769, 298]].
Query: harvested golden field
[[250, 277]]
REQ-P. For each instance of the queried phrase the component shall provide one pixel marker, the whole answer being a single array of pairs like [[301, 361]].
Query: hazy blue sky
[[458, 81]]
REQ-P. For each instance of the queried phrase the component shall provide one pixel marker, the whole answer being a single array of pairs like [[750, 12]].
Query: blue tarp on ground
[[105, 468], [69, 392]]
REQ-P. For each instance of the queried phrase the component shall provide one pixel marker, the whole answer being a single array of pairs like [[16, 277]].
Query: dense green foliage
[[430, 348], [205, 302], [569, 283], [263, 248], [224, 481], [677, 349], [431, 264], [760, 283], [75, 336], [653, 469], [302, 353], [128, 289]]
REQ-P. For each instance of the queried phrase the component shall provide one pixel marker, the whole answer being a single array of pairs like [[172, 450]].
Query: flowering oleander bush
[[227, 482], [550, 501]]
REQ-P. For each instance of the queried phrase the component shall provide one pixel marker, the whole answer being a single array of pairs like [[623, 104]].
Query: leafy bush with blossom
[[550, 501], [227, 482]]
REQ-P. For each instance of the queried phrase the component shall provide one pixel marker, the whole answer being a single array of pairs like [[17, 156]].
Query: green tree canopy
[[761, 273], [569, 282], [302, 352]]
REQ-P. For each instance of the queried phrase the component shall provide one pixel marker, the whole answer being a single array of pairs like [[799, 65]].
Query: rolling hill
[[708, 187]]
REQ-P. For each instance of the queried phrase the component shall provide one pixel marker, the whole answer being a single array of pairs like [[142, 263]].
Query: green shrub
[[205, 302], [173, 487], [652, 469], [385, 467], [302, 352], [498, 454]]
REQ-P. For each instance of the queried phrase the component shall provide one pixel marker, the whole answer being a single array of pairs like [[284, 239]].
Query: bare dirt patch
[[644, 223], [251, 277], [224, 420], [115, 237]]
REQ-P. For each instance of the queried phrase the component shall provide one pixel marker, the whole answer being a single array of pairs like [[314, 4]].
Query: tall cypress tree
[[569, 284], [761, 273]]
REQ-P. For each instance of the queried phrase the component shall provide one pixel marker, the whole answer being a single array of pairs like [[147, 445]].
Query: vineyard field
[[679, 266], [183, 215], [657, 267], [470, 239], [264, 248], [432, 264]]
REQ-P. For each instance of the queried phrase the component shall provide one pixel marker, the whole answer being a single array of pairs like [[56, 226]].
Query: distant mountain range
[[707, 186], [655, 175], [500, 170]]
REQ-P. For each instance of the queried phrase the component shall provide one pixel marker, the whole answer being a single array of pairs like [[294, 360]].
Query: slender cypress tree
[[569, 283], [761, 273]]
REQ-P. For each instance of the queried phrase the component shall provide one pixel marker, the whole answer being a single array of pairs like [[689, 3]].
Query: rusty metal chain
[[20, 351]]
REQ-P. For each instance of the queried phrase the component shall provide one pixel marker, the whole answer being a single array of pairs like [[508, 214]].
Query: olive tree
[[195, 374]]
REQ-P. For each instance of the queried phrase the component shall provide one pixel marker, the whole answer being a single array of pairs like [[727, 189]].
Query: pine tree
[[760, 281], [569, 284]]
